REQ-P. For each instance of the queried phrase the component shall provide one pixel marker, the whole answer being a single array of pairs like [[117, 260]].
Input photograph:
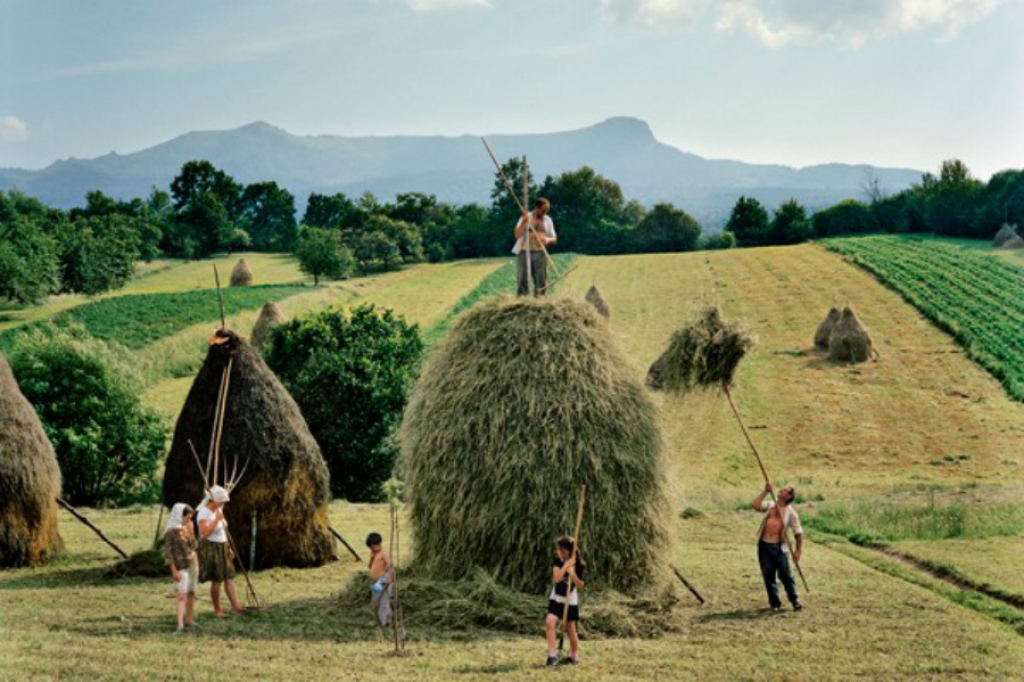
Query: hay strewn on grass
[[1014, 242], [523, 403], [149, 563], [270, 317], [1005, 234], [595, 299], [241, 274], [29, 481], [849, 341], [824, 331], [286, 484], [705, 353]]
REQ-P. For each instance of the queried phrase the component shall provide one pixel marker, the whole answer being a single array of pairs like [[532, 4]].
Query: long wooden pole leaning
[[576, 551], [764, 472], [74, 512]]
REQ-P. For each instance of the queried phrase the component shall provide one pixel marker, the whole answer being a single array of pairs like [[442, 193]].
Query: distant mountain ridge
[[456, 169]]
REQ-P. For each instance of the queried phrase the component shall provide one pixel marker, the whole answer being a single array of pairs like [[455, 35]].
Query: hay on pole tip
[[1005, 234], [849, 340], [824, 330], [704, 353], [29, 481], [270, 317], [595, 299], [241, 274], [1014, 242]]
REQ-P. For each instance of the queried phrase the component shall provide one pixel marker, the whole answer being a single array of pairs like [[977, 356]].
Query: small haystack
[[29, 481], [1014, 242], [656, 373], [703, 354], [270, 317], [825, 328], [1005, 234], [524, 402], [849, 341], [595, 299], [241, 274], [286, 483]]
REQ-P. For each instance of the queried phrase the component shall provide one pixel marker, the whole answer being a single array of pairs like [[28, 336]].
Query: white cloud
[[13, 129], [781, 22], [431, 5]]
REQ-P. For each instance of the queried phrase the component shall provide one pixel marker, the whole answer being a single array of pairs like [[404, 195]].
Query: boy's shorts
[[186, 581]]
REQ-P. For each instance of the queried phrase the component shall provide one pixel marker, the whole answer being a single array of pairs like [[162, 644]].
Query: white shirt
[[790, 520], [219, 533], [549, 232]]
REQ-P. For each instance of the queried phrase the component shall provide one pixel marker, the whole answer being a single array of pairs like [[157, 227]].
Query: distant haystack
[[270, 317], [1005, 234], [241, 274], [825, 328], [29, 481], [1014, 242], [849, 341], [595, 299]]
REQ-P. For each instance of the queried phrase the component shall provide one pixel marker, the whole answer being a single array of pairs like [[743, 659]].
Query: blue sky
[[903, 83]]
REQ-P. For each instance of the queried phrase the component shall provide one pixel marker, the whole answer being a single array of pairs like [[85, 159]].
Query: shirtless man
[[771, 544], [381, 578], [541, 234]]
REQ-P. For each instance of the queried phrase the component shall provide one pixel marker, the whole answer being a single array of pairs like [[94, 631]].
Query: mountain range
[[457, 169]]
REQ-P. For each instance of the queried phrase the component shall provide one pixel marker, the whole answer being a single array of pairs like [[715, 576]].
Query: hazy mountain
[[456, 169]]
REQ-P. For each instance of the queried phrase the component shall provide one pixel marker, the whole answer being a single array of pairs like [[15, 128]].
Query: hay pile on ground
[[1014, 242], [1005, 234], [286, 484], [705, 353], [270, 317], [149, 563], [241, 274], [849, 341], [29, 481], [524, 402], [595, 299], [821, 336]]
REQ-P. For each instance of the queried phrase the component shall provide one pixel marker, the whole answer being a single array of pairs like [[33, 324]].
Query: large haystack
[[270, 317], [704, 354], [1014, 242], [523, 403], [821, 336], [849, 341], [29, 481], [286, 483], [595, 299], [241, 274], [1005, 234]]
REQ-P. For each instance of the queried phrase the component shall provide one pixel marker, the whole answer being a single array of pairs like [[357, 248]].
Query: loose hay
[[1014, 242], [705, 353], [29, 481], [270, 317], [286, 483], [241, 274], [522, 403], [595, 299], [824, 331], [1005, 234], [149, 563], [849, 341]]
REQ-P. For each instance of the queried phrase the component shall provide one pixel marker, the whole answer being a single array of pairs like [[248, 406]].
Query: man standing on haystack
[[539, 229], [771, 544]]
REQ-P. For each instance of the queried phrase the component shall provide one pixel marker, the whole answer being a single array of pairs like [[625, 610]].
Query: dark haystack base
[[704, 354], [241, 274], [656, 373], [821, 336], [477, 602], [1014, 242], [270, 317], [149, 563], [595, 299], [524, 402], [849, 341], [1005, 234], [286, 484], [29, 481]]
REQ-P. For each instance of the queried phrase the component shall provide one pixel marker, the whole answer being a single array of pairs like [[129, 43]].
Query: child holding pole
[[567, 571], [180, 549]]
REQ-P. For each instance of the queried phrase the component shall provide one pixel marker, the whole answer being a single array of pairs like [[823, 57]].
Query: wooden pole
[[252, 543], [347, 546], [688, 585], [527, 229], [764, 472], [220, 423], [220, 297], [94, 529], [208, 472], [576, 551]]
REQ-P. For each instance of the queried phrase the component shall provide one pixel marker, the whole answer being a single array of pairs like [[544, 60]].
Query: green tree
[[846, 217], [666, 228], [590, 212], [350, 375], [29, 268], [475, 235], [336, 212], [108, 445], [322, 253], [406, 236], [952, 200], [206, 205], [374, 247], [720, 240], [97, 253], [749, 222], [268, 215], [790, 224]]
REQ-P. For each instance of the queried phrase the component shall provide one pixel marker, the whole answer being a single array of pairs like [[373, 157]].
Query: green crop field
[[977, 299]]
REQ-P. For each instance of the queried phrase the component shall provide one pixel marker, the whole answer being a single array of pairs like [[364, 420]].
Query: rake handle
[[576, 551]]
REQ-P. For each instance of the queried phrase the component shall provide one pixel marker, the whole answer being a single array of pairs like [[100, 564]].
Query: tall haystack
[[595, 299], [524, 402], [241, 274], [270, 317], [849, 341], [824, 331], [29, 481], [1014, 242], [286, 484], [1005, 234], [704, 353]]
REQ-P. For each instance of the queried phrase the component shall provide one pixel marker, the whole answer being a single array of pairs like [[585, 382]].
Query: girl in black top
[[567, 575]]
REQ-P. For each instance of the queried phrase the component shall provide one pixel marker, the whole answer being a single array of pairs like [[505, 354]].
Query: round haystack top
[[849, 340], [1005, 234], [1014, 242], [824, 331], [29, 481], [270, 317], [595, 299], [524, 402], [241, 274]]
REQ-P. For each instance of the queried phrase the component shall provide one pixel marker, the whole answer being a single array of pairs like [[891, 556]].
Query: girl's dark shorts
[[557, 609]]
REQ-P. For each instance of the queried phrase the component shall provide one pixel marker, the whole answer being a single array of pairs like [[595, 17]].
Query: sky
[[898, 83]]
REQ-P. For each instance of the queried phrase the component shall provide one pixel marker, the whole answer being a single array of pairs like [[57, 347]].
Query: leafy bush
[[350, 375], [108, 446]]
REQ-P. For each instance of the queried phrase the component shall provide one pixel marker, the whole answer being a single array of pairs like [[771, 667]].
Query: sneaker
[[797, 606], [569, 660], [552, 661], [776, 608]]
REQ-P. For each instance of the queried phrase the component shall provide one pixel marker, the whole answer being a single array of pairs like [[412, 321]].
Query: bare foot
[[219, 614], [239, 610]]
